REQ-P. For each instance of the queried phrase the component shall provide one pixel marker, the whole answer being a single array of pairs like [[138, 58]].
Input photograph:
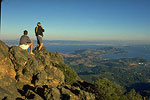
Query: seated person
[[25, 42]]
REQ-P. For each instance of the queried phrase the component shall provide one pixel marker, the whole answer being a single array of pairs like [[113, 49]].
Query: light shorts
[[24, 46]]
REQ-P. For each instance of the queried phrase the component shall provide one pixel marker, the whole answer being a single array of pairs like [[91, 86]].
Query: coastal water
[[132, 51], [71, 48], [63, 47]]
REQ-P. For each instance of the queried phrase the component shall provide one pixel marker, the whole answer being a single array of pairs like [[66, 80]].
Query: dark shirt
[[24, 40], [39, 31]]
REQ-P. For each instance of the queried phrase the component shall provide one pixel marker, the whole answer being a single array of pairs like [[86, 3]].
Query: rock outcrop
[[42, 76]]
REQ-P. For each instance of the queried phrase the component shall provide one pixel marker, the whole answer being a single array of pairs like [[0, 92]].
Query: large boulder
[[48, 58], [32, 71], [82, 91], [6, 66], [7, 74]]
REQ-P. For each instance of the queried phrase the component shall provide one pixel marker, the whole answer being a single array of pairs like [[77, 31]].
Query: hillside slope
[[42, 76]]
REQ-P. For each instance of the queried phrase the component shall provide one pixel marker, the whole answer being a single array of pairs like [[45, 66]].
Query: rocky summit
[[43, 76]]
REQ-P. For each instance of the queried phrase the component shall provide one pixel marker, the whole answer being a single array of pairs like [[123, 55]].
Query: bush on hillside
[[107, 90], [132, 95], [70, 75]]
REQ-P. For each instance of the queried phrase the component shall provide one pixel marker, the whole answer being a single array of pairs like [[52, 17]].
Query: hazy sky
[[78, 19]]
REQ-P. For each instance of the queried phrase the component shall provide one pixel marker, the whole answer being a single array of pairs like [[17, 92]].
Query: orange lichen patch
[[49, 77], [41, 68], [12, 73], [25, 80], [5, 70], [69, 86], [55, 82], [3, 60]]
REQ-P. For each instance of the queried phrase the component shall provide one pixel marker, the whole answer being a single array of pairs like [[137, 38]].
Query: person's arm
[[28, 40], [20, 41], [42, 29], [36, 29]]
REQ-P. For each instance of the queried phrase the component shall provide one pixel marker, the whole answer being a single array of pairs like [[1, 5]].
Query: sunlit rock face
[[24, 76]]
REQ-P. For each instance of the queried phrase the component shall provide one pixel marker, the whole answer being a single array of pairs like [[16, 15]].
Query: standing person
[[39, 34], [25, 42]]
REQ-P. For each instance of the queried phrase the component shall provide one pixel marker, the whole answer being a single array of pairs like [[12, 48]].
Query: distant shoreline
[[72, 42]]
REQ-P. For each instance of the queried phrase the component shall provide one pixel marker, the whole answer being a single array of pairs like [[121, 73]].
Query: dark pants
[[39, 39]]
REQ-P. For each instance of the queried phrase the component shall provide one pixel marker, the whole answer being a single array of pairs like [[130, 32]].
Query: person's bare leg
[[31, 47], [38, 45], [41, 46]]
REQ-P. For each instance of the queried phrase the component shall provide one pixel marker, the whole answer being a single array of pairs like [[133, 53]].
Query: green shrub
[[107, 90], [132, 95], [70, 75]]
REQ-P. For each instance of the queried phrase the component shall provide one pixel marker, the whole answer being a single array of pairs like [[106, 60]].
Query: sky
[[93, 20]]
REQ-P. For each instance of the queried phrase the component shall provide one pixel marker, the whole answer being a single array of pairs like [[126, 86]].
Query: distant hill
[[128, 72]]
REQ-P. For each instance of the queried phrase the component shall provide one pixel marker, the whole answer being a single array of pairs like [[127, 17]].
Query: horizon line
[[74, 40]]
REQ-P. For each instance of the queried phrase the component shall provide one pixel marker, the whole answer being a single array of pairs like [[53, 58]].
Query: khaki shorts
[[24, 46]]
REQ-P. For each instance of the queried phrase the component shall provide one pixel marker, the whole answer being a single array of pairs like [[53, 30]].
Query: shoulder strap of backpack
[[36, 29]]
